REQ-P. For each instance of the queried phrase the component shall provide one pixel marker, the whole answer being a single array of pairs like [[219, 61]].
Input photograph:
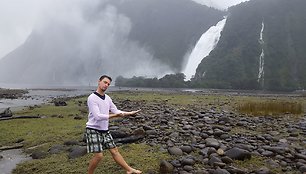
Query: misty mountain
[[235, 61], [169, 28], [129, 37]]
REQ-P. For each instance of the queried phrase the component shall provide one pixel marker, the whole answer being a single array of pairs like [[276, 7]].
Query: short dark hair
[[105, 76]]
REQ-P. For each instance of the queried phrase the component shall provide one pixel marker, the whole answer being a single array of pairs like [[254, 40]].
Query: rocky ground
[[204, 139], [11, 93], [208, 141]]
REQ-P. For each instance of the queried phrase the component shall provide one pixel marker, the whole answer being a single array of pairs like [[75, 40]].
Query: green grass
[[39, 131], [271, 107], [182, 100], [140, 156], [73, 108], [255, 163], [59, 125]]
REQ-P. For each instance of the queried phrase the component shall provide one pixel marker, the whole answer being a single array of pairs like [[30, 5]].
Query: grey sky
[[19, 17], [219, 4]]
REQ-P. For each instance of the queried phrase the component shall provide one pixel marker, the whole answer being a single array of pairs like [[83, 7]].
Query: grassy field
[[58, 124]]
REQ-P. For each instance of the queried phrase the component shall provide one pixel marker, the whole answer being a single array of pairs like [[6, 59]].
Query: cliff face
[[261, 47], [169, 28]]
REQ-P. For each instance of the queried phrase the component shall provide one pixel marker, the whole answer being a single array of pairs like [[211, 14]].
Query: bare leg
[[94, 162], [119, 160]]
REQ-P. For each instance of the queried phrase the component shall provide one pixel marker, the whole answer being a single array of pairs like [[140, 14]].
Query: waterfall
[[261, 72], [203, 47]]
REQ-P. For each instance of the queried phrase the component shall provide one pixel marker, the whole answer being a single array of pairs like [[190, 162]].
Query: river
[[10, 158]]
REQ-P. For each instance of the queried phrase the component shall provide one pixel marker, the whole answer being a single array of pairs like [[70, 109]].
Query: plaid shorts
[[97, 141]]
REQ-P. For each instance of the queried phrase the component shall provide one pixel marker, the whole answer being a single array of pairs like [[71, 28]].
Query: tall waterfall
[[261, 72], [203, 47]]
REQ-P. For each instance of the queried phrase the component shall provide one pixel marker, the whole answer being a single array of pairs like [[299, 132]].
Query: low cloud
[[219, 4], [82, 40]]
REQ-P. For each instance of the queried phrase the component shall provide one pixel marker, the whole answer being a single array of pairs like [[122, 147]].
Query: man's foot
[[134, 171]]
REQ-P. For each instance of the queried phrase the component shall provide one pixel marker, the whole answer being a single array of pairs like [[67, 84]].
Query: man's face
[[104, 84]]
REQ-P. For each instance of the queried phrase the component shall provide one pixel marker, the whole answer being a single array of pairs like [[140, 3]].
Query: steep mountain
[[168, 28], [117, 37], [262, 46]]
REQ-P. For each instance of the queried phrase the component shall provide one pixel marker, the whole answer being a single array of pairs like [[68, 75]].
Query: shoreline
[[20, 98]]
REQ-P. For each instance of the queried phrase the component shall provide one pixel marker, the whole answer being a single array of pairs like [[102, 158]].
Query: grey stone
[[165, 167], [238, 154], [175, 151]]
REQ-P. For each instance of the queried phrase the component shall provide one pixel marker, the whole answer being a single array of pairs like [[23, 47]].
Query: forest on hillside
[[234, 63]]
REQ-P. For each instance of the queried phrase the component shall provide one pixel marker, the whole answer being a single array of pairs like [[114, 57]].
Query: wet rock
[[130, 139], [186, 149], [71, 142], [300, 156], [226, 160], [59, 102], [219, 164], [201, 171], [188, 161], [165, 167], [6, 113], [56, 149], [176, 163], [263, 170], [188, 168], [238, 154], [212, 142], [139, 132], [220, 171], [302, 169], [119, 134], [151, 132], [77, 151], [214, 160], [175, 151], [279, 150], [268, 153], [39, 154], [235, 170]]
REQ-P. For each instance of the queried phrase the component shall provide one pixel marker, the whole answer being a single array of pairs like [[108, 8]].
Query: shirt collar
[[99, 95]]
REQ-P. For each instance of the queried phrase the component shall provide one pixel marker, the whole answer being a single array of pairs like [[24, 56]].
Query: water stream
[[10, 158]]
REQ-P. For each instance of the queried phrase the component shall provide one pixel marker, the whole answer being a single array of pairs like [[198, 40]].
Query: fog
[[219, 4], [84, 40], [19, 17]]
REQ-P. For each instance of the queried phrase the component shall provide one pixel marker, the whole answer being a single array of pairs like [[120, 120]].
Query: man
[[98, 138]]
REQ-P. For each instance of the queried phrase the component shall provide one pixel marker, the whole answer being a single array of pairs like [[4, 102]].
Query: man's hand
[[135, 112]]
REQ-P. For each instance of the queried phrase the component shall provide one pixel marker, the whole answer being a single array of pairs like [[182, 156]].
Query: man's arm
[[123, 113]]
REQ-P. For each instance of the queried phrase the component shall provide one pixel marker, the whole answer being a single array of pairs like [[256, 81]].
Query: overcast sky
[[219, 4], [18, 17]]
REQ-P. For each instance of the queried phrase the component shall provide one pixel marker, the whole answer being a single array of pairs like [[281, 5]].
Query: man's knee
[[114, 151], [98, 156]]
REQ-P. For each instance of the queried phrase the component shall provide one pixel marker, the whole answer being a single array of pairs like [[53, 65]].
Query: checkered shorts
[[97, 141]]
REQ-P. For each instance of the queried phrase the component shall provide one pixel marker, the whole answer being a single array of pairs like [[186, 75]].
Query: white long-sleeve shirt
[[99, 108]]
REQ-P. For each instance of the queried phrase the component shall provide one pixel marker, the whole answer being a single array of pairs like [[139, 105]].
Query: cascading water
[[203, 47], [261, 72]]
